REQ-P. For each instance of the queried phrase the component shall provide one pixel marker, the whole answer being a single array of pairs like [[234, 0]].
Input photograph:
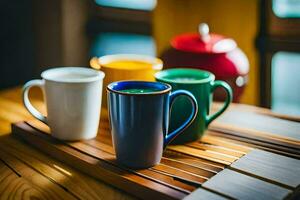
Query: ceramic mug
[[73, 101], [139, 120], [202, 85], [126, 67]]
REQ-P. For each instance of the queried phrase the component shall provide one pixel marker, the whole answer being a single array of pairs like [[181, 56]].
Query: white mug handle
[[34, 112]]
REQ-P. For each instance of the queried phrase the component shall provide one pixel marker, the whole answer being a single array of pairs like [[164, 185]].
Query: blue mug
[[139, 120]]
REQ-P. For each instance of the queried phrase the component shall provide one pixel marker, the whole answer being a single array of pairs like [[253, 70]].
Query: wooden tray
[[213, 165], [263, 131]]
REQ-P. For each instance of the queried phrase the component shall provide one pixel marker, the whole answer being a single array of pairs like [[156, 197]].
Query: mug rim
[[94, 75], [161, 76], [157, 64], [164, 91]]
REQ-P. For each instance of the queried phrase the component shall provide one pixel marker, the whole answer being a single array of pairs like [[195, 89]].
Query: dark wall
[[17, 53]]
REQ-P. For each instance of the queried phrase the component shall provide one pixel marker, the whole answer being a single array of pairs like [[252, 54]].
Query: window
[[285, 81], [286, 8], [279, 47], [129, 4], [115, 43], [122, 26]]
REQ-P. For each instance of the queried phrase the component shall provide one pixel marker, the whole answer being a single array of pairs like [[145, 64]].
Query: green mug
[[202, 85]]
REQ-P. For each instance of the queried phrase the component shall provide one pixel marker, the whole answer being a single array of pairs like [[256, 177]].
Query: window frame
[[276, 34]]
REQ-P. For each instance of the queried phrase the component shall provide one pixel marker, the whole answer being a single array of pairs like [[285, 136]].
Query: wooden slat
[[5, 171], [14, 187], [202, 194], [255, 135], [225, 155], [39, 125], [216, 149], [218, 141], [99, 144], [197, 162], [291, 152], [102, 170], [76, 183], [180, 173], [260, 125], [172, 181], [203, 154], [256, 110], [230, 147], [98, 153], [187, 167], [276, 168], [32, 180], [240, 186], [168, 168], [102, 150]]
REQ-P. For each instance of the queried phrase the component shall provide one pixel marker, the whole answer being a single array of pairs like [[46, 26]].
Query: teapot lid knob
[[203, 29]]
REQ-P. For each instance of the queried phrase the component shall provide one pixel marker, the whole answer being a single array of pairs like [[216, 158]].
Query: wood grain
[[188, 167], [11, 103], [99, 169], [162, 177], [256, 135], [181, 173], [103, 151], [29, 180], [172, 172], [103, 143], [216, 149], [14, 187], [213, 152], [284, 150], [171, 166], [101, 148], [203, 194], [263, 125], [231, 145], [203, 154], [240, 186], [192, 161], [256, 110], [275, 168], [72, 181], [184, 171]]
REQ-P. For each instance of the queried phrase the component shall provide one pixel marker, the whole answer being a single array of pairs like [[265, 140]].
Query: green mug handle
[[228, 90]]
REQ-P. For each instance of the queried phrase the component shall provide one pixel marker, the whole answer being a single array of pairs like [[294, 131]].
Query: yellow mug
[[126, 67]]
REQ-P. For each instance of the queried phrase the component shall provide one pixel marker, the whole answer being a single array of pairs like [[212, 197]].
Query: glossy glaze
[[73, 101], [139, 122], [201, 84], [126, 72]]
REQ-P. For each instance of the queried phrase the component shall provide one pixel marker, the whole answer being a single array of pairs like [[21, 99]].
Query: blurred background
[[36, 35]]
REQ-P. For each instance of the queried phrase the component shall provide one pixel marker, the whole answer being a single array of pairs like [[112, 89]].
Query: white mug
[[73, 101]]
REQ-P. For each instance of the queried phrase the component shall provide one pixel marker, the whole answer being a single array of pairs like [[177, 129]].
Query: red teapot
[[212, 52]]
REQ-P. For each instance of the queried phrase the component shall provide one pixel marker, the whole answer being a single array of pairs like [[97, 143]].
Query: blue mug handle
[[170, 136]]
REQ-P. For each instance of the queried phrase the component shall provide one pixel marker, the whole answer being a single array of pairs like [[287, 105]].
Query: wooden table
[[18, 179], [26, 172]]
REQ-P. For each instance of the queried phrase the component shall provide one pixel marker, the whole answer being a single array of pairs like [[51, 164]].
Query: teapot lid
[[203, 42]]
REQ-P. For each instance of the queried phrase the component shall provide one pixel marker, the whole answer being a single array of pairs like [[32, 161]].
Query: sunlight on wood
[[62, 170]]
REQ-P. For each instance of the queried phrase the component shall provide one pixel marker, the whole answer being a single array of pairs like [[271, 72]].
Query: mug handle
[[34, 112], [170, 136], [228, 100]]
